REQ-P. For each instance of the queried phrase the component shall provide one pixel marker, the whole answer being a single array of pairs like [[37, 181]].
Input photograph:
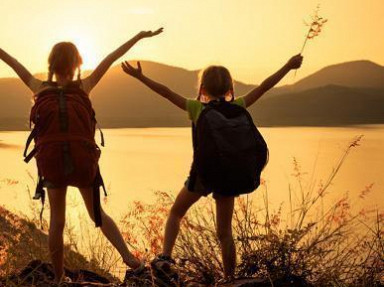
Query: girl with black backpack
[[214, 122]]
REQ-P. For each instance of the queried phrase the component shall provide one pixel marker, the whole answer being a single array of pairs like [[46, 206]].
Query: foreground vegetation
[[324, 244]]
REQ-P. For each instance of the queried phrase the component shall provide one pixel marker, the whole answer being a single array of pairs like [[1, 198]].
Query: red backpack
[[65, 149]]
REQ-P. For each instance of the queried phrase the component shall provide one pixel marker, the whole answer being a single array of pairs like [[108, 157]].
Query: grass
[[324, 244]]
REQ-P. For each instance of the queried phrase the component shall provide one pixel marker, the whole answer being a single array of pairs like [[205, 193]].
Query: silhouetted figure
[[216, 94], [65, 149]]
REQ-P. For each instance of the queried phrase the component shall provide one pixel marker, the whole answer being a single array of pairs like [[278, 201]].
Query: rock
[[38, 273]]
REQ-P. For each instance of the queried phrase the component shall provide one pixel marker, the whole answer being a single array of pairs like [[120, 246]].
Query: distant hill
[[324, 106], [348, 93], [119, 100], [16, 102], [361, 74]]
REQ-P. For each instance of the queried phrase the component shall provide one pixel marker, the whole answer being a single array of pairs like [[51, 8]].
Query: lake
[[137, 162]]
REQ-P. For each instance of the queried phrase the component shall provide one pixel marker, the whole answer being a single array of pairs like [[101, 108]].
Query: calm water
[[137, 162]]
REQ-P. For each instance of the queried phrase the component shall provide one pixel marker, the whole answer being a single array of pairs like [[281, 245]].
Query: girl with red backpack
[[229, 154], [65, 149]]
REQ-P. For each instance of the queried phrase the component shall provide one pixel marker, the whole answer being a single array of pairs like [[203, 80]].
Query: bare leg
[[183, 202], [56, 227], [224, 212], [110, 230]]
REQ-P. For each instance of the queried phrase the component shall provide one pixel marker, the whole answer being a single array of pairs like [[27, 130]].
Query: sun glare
[[88, 51]]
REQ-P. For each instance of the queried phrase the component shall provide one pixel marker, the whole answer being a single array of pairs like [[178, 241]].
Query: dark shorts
[[194, 184]]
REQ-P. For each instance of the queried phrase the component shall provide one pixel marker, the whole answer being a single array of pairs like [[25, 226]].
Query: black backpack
[[229, 151]]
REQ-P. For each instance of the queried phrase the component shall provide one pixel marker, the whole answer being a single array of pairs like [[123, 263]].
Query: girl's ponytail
[[79, 74], [50, 75]]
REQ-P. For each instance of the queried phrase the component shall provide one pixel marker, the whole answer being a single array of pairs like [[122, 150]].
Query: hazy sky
[[253, 38]]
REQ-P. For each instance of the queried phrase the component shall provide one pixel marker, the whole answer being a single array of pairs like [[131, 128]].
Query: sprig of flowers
[[315, 27]]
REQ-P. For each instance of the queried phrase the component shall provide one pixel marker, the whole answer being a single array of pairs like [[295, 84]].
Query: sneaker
[[164, 270]]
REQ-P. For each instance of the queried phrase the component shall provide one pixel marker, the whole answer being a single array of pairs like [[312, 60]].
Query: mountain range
[[343, 94]]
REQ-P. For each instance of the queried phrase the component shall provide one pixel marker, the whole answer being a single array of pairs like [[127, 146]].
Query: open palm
[[132, 71], [148, 34]]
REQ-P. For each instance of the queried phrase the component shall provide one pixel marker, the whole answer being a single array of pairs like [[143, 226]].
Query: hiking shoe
[[141, 275], [65, 281], [164, 270]]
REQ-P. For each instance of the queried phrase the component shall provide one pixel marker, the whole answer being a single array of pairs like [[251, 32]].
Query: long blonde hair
[[63, 60]]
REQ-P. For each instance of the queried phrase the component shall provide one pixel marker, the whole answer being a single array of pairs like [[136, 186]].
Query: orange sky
[[252, 38]]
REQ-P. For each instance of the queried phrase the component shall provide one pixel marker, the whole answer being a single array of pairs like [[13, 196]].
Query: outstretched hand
[[148, 34], [295, 62], [132, 71]]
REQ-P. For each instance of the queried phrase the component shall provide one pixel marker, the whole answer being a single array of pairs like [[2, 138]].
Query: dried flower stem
[[315, 27]]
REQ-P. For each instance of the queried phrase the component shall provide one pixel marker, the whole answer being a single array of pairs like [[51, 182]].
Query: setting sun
[[87, 51]]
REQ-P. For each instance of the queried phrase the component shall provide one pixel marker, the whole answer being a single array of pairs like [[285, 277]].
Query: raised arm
[[294, 63], [162, 90], [102, 68], [20, 70]]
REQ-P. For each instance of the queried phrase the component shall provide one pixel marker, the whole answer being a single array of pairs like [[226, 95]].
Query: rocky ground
[[23, 242], [38, 273]]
